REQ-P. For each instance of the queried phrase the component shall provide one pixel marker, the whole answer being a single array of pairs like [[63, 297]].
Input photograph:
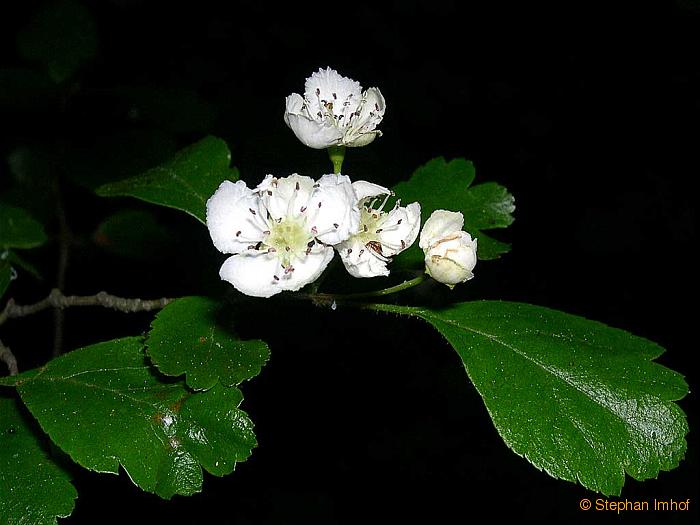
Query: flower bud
[[450, 254]]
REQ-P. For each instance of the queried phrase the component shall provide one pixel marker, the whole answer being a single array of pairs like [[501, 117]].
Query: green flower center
[[290, 238]]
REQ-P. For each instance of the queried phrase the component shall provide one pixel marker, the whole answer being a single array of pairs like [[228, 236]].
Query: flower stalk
[[337, 155]]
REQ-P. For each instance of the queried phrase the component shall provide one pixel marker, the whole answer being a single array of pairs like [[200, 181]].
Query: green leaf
[[577, 398], [192, 336], [33, 488], [105, 406], [134, 234], [185, 182], [62, 36], [18, 229], [441, 185]]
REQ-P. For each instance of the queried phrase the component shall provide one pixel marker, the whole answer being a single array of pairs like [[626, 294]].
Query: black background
[[587, 112]]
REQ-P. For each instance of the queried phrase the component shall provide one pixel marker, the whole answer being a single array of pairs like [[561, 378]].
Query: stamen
[[269, 192], [257, 246], [275, 278], [238, 233], [335, 224], [319, 204], [403, 244], [349, 251], [303, 209], [251, 210], [296, 187], [311, 243]]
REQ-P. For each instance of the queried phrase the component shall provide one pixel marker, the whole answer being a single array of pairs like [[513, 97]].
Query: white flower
[[280, 232], [450, 254], [334, 111], [381, 234]]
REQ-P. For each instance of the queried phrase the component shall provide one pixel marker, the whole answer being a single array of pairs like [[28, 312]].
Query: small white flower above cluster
[[450, 253], [334, 111]]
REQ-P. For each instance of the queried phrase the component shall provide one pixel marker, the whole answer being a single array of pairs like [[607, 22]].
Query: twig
[[9, 359], [56, 299]]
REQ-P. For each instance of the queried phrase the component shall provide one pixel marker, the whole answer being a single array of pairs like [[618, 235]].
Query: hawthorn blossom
[[280, 233], [334, 111], [381, 234], [450, 254]]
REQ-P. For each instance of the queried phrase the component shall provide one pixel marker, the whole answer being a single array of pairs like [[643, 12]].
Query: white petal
[[314, 134], [232, 225], [328, 86], [294, 105], [361, 261], [253, 274], [333, 210], [440, 224], [361, 139], [306, 270], [363, 131], [400, 229], [285, 196], [365, 190]]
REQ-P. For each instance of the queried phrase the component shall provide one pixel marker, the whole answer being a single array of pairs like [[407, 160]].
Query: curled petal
[[440, 224], [360, 260], [333, 209], [312, 133], [234, 218], [366, 190], [400, 229], [363, 131]]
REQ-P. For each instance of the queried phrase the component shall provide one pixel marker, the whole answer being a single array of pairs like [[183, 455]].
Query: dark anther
[[335, 225], [238, 233], [251, 210]]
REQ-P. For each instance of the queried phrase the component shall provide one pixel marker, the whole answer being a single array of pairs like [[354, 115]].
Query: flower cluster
[[282, 234]]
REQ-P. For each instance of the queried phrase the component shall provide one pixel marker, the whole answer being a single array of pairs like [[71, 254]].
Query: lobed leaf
[[579, 399], [185, 182], [442, 185], [190, 337], [105, 406], [33, 487]]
